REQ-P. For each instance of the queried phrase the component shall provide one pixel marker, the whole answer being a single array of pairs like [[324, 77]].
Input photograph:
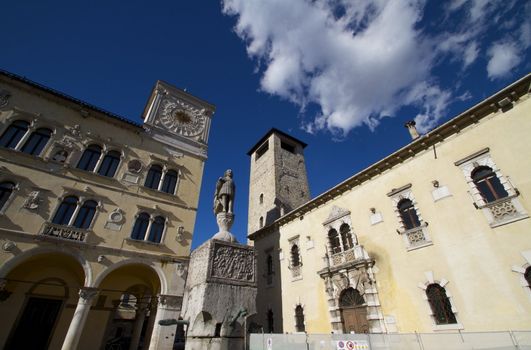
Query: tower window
[[262, 150], [286, 146], [261, 222], [261, 198]]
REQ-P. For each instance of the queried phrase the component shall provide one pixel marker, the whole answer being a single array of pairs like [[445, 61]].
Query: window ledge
[[134, 241], [426, 244], [508, 221], [154, 191], [448, 327], [81, 171]]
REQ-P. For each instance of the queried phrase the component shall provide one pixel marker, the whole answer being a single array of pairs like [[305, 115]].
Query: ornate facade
[[96, 217], [434, 237]]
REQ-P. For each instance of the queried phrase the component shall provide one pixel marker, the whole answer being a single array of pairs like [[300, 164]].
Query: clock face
[[178, 119]]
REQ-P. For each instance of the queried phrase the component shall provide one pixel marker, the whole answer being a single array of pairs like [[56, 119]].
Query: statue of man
[[224, 195]]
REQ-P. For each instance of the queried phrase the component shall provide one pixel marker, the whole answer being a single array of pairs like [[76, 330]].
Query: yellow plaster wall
[[475, 258]]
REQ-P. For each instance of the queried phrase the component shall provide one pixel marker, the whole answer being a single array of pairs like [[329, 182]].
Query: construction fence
[[510, 340]]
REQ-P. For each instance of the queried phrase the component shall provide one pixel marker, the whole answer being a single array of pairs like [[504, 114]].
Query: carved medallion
[[181, 118]]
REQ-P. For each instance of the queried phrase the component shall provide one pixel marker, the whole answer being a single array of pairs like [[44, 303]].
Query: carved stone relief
[[32, 201], [233, 263]]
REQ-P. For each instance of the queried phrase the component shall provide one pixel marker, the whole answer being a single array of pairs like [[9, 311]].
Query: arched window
[[346, 237], [295, 256], [335, 243], [85, 215], [157, 228], [261, 222], [170, 182], [13, 134], [153, 177], [64, 213], [408, 214], [140, 227], [261, 198], [350, 297], [440, 304], [269, 264], [36, 142], [6, 189], [488, 184], [109, 163], [270, 321], [527, 276], [299, 319], [90, 158]]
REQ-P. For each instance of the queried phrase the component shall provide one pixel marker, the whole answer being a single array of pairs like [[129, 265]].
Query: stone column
[[86, 295], [137, 327], [163, 335]]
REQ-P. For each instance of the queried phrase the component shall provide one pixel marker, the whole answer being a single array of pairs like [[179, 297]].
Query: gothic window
[[147, 228], [72, 212], [346, 237], [295, 256], [170, 182], [109, 164], [158, 178], [13, 134], [350, 297], [488, 184], [335, 243], [527, 276], [261, 222], [261, 198], [262, 150], [86, 214], [90, 158], [64, 214], [157, 228], [408, 214], [36, 141], [440, 304], [140, 227], [6, 189], [270, 322], [299, 319]]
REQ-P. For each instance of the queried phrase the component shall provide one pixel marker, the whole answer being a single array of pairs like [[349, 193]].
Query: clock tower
[[178, 119]]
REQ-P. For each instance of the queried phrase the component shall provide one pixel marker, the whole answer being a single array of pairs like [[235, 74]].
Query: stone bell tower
[[278, 181]]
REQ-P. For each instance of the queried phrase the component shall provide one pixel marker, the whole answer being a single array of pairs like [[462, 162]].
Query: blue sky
[[343, 76]]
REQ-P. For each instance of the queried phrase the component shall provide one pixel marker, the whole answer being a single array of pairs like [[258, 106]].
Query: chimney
[[410, 125]]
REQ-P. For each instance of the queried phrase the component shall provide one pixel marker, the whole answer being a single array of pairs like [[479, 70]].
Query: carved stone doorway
[[353, 312]]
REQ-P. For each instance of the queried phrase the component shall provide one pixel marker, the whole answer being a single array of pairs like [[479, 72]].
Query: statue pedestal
[[225, 221], [220, 294]]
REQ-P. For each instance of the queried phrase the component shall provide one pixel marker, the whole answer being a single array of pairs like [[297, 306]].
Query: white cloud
[[357, 66], [360, 61], [503, 57]]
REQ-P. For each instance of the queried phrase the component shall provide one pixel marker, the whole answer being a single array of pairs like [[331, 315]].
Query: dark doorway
[[35, 326]]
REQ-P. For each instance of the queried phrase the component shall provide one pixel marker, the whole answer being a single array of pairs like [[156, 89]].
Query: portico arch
[[16, 260]]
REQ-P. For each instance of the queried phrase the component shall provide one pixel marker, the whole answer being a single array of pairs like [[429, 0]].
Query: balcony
[[350, 255], [504, 211], [64, 232], [416, 237]]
